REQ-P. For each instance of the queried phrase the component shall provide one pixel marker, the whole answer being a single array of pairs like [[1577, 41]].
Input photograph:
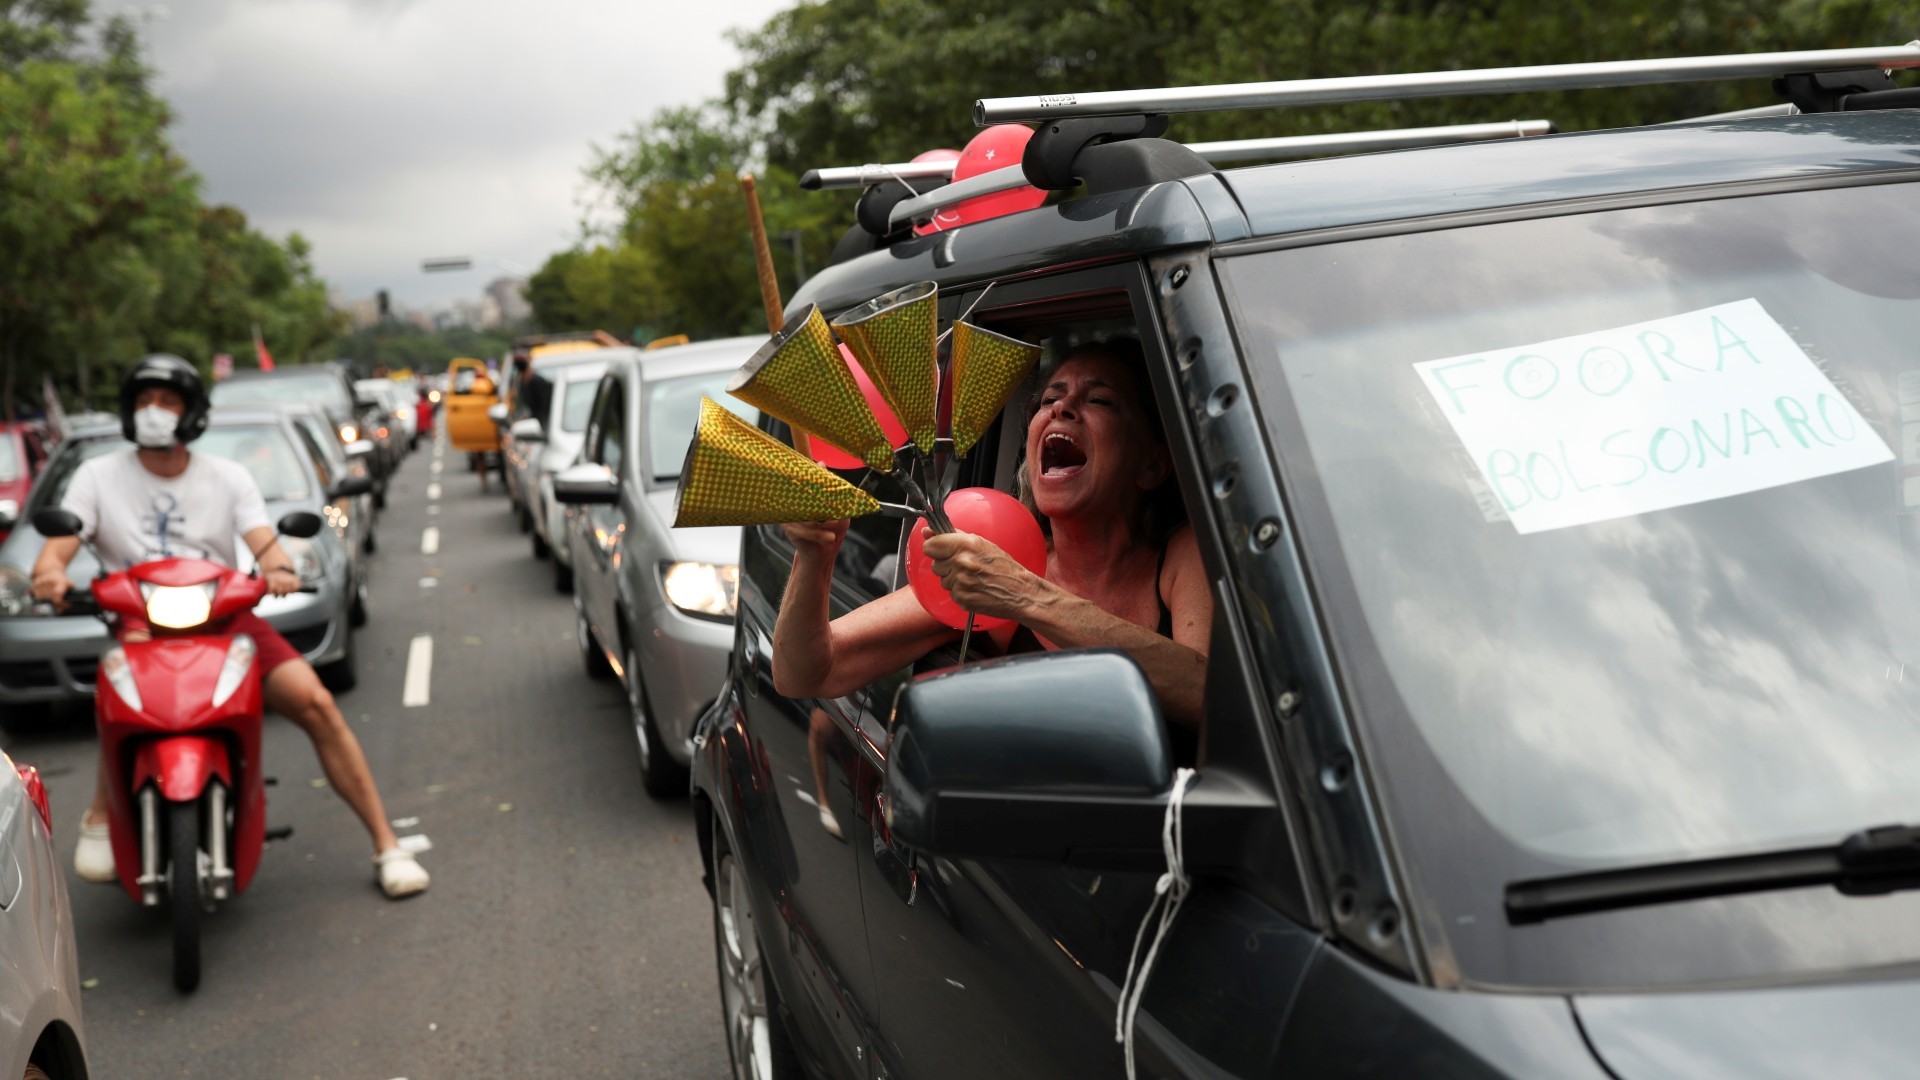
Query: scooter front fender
[[179, 766]]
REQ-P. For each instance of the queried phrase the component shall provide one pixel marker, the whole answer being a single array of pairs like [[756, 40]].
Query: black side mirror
[[54, 521], [351, 486], [304, 524], [1060, 757], [587, 482]]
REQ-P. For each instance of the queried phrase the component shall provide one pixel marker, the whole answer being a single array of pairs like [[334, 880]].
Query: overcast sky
[[387, 131]]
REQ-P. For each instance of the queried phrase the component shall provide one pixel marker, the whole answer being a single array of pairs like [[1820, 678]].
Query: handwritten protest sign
[[1679, 410]]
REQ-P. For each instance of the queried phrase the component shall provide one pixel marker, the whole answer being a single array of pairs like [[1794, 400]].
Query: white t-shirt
[[133, 516]]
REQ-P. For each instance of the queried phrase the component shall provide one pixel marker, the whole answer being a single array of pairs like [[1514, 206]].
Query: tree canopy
[[842, 82], [106, 251]]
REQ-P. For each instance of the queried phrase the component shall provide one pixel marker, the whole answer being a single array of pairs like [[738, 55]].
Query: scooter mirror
[[301, 523], [54, 521]]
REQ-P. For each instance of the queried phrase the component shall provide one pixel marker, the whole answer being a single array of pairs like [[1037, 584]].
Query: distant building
[[509, 297], [363, 313]]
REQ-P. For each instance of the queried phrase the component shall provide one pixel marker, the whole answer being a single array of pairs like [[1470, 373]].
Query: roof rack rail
[[1269, 95], [853, 176]]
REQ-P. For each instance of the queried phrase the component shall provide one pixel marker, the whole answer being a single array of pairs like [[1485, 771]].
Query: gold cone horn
[[893, 337], [798, 376], [735, 474], [986, 369]]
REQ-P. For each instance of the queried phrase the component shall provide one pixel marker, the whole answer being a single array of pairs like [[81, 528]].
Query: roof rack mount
[[1269, 95]]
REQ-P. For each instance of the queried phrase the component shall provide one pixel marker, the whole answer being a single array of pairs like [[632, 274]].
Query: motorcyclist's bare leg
[[97, 809], [293, 690]]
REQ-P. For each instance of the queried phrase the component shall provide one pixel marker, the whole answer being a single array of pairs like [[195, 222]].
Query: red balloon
[[994, 148], [832, 456], [988, 513], [933, 155]]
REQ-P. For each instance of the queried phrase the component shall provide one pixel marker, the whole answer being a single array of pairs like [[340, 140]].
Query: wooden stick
[[769, 283], [763, 259]]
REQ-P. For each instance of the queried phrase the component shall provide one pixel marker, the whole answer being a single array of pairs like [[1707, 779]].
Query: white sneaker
[[93, 855], [401, 875]]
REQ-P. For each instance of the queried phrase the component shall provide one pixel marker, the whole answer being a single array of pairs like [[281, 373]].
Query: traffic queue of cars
[[297, 431], [592, 440]]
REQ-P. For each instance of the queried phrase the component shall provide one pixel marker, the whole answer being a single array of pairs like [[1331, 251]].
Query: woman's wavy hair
[[1162, 510]]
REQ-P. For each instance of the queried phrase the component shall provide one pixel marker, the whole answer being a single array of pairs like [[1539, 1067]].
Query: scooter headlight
[[119, 675], [179, 607], [239, 661]]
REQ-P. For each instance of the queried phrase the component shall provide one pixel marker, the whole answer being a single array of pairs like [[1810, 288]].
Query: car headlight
[[16, 592], [707, 590], [114, 668], [178, 607], [349, 433], [306, 558]]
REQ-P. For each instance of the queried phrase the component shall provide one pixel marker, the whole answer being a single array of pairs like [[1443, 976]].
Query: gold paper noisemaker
[[736, 474], [798, 376], [893, 337]]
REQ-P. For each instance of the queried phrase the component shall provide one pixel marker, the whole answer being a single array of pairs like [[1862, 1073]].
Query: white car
[[539, 444], [40, 994]]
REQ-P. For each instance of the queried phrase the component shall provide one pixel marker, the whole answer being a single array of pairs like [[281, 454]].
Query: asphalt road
[[566, 932]]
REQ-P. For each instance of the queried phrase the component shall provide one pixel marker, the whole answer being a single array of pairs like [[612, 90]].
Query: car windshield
[[577, 404], [9, 459], [1617, 519], [267, 455], [673, 408], [286, 389]]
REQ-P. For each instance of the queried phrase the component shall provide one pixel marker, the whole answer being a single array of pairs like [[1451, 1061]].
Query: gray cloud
[[391, 131]]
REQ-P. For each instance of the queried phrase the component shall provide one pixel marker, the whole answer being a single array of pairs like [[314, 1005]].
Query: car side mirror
[[527, 430], [1061, 757], [54, 521], [359, 448], [362, 404], [497, 413], [304, 524], [351, 486], [587, 482]]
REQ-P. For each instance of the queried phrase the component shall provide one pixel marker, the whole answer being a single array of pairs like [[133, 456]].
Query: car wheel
[[526, 520], [370, 545], [380, 497], [757, 1040], [590, 651], [183, 891], [659, 773], [357, 611], [343, 674], [562, 577], [34, 1072], [540, 550]]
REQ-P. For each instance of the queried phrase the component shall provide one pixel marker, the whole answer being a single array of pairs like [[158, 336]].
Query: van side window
[[870, 560]]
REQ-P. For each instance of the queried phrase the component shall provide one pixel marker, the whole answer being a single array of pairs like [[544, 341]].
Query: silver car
[[40, 996], [652, 603], [45, 659], [538, 444]]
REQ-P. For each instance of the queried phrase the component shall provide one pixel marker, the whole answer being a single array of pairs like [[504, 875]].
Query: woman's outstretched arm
[[815, 657]]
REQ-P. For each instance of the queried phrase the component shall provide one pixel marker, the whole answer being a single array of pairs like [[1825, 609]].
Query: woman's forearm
[[1177, 673], [802, 634]]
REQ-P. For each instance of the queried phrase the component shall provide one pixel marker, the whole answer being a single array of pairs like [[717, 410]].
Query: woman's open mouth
[[1060, 456]]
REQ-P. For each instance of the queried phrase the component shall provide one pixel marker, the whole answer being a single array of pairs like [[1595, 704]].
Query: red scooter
[[179, 718]]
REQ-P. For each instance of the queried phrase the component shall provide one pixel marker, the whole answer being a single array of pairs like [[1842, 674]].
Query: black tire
[[663, 777], [370, 545], [526, 519], [540, 550], [183, 892], [736, 948], [591, 655], [562, 577], [357, 610], [343, 674]]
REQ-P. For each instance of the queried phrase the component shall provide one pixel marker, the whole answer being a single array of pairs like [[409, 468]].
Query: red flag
[[260, 349]]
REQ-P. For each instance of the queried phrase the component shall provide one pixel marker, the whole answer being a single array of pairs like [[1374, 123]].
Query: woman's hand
[[819, 539], [980, 577]]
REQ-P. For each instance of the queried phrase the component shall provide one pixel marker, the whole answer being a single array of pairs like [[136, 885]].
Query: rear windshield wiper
[[1869, 862]]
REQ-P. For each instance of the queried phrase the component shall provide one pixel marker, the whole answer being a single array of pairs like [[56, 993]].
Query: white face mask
[[153, 427]]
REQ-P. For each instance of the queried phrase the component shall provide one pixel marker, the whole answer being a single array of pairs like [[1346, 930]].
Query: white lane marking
[[435, 466], [415, 843], [419, 672], [428, 582], [430, 540], [433, 491]]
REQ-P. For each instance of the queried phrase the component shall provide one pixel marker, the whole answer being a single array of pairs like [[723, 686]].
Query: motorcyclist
[[159, 500]]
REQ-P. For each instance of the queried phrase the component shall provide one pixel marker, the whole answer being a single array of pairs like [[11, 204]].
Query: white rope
[[1168, 894]]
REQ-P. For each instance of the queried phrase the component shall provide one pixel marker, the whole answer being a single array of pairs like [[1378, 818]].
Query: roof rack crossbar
[[1268, 95], [854, 176], [1359, 142]]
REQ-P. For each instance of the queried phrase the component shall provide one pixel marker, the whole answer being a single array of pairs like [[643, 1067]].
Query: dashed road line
[[430, 540], [433, 491], [419, 682]]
